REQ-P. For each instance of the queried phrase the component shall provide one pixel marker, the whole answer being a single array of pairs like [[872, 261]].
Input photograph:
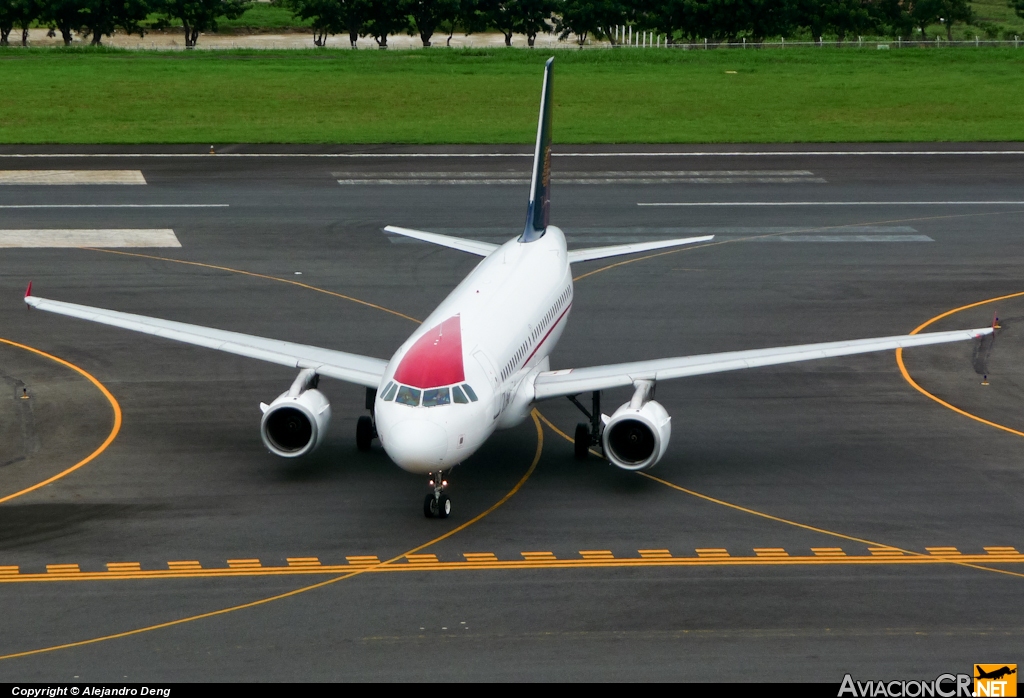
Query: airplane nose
[[418, 446]]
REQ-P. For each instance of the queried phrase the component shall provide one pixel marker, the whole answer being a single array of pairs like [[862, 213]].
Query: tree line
[[675, 20]]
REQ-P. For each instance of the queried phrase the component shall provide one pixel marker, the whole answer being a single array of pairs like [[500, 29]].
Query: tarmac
[[808, 520]]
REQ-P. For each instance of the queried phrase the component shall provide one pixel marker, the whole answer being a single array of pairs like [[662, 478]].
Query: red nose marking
[[435, 359]]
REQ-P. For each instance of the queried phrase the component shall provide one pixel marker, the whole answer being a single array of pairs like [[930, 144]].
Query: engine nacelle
[[635, 438], [295, 424]]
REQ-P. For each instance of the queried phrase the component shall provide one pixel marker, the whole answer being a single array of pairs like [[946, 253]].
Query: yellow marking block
[[885, 552], [655, 554], [991, 550], [184, 565], [62, 569], [247, 563], [480, 557], [771, 552], [124, 567], [362, 560], [829, 552], [8, 569], [303, 561], [428, 559], [712, 552], [538, 556], [597, 555], [943, 550]]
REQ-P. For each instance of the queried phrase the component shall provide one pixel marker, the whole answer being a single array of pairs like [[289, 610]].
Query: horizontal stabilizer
[[476, 247], [590, 253]]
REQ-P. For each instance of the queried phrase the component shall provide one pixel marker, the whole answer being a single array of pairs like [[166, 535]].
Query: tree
[[470, 16], [842, 17], [199, 15], [25, 12], [101, 17], [1018, 7], [591, 17], [953, 11], [501, 15], [428, 15], [383, 18], [533, 17], [326, 17], [66, 16]]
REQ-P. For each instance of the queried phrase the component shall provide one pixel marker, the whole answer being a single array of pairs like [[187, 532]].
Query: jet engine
[[296, 422], [636, 436]]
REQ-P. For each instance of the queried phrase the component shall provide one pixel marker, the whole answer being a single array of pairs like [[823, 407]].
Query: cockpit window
[[408, 396], [469, 391], [435, 397], [458, 396], [389, 392]]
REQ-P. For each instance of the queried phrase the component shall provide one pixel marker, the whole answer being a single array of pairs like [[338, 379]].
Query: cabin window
[[435, 397], [408, 396], [389, 392], [459, 396], [469, 392]]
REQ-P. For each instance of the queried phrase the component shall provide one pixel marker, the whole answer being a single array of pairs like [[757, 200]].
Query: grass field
[[474, 96]]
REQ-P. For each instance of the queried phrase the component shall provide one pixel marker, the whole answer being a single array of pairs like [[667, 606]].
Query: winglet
[[540, 184], [28, 291]]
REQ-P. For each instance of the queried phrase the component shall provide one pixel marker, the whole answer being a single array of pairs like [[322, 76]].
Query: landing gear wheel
[[581, 441], [444, 507], [364, 433], [430, 508]]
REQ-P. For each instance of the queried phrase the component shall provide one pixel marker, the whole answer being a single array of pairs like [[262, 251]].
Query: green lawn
[[473, 96]]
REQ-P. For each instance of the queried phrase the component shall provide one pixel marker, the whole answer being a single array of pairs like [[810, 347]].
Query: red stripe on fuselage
[[435, 359], [539, 344]]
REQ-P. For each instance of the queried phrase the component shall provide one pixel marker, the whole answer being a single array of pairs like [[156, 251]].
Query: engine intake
[[636, 436], [296, 422]]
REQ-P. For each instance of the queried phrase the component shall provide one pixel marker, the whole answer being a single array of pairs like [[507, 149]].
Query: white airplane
[[480, 362]]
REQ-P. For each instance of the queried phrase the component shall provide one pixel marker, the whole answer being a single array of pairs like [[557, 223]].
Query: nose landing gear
[[437, 505]]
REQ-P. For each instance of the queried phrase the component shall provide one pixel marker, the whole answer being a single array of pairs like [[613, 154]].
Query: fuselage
[[468, 370]]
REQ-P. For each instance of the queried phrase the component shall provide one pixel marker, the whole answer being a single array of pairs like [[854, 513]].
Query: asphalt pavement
[[808, 520]]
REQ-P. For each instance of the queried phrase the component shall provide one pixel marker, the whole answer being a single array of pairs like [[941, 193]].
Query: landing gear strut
[[437, 505], [366, 426], [588, 435]]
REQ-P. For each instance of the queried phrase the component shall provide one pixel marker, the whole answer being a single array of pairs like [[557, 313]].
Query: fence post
[[783, 42], [860, 41], [975, 39], [744, 42], [705, 43]]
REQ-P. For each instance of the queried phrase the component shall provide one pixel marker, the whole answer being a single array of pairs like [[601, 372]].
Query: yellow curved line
[[781, 520], [311, 587], [914, 384], [258, 276], [102, 447]]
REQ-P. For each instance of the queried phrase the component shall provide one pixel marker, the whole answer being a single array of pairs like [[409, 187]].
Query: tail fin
[[540, 184]]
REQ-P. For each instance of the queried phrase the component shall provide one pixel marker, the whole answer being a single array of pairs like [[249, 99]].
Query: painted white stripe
[[361, 176], [103, 237], [65, 177], [663, 180], [779, 153], [837, 203], [846, 238], [8, 206]]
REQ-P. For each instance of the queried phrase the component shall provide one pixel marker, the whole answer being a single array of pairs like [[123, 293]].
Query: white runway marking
[[635, 177], [835, 203], [102, 237], [847, 238], [66, 177], [6, 206], [728, 154]]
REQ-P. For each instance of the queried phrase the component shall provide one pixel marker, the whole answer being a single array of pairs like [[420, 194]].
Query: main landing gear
[[437, 505], [588, 435], [366, 426]]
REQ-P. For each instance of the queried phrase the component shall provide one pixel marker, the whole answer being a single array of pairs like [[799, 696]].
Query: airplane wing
[[353, 368], [476, 247], [551, 384], [585, 255]]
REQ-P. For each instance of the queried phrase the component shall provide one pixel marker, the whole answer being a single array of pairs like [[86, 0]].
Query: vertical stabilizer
[[540, 183]]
